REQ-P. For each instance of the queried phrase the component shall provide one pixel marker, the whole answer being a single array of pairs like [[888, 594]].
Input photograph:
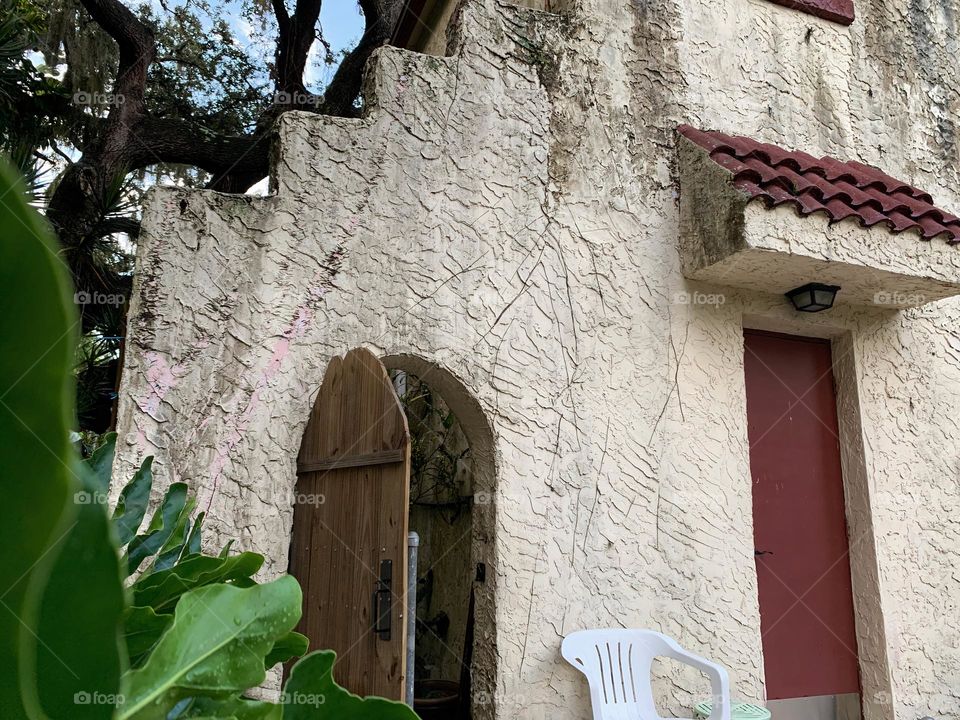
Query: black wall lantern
[[813, 297]]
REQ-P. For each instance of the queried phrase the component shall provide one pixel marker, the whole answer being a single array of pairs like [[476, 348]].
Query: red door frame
[[800, 529]]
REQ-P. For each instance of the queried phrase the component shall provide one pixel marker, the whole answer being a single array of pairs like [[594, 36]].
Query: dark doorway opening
[[441, 513]]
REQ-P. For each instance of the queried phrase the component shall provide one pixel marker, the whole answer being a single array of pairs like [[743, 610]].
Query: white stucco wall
[[509, 214]]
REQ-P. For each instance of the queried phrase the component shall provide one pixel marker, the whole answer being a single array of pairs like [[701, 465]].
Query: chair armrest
[[719, 681]]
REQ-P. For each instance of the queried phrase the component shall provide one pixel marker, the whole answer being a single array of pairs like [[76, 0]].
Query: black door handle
[[758, 553], [382, 600]]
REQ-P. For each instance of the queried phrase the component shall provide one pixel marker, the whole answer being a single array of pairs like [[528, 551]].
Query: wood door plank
[[344, 461]]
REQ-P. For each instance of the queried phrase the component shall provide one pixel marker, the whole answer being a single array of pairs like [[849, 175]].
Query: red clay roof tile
[[840, 11], [840, 189]]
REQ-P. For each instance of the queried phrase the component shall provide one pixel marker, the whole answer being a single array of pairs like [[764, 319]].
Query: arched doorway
[[351, 517]]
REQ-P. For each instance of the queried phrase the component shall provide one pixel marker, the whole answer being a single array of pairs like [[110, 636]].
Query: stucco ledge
[[727, 239]]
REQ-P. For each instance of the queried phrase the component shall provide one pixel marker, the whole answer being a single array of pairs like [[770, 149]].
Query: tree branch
[[135, 42], [283, 17], [293, 48], [235, 161], [76, 205]]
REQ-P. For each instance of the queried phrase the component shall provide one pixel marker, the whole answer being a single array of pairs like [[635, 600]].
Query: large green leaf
[[132, 503], [79, 658], [291, 645], [312, 694], [162, 525], [192, 545], [226, 549], [38, 327], [160, 590], [214, 648]]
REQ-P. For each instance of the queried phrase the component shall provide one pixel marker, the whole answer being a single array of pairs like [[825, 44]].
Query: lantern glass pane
[[823, 297]]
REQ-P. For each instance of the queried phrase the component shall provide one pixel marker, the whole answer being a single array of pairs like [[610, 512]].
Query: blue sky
[[342, 24]]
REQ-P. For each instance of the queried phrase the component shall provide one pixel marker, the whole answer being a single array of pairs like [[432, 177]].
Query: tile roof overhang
[[758, 216]]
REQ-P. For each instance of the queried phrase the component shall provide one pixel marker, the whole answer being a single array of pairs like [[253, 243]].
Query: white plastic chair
[[617, 665]]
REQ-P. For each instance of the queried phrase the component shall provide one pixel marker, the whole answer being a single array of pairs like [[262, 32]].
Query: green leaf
[[237, 709], [142, 627], [291, 645], [214, 648], [101, 462], [226, 549], [79, 658], [192, 545], [168, 558], [162, 525], [160, 590], [38, 326], [173, 546], [133, 501], [312, 694]]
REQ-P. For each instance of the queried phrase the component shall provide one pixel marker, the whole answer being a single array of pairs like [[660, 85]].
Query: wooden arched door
[[349, 542]]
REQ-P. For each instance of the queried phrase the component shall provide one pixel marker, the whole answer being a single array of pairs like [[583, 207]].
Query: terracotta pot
[[436, 699]]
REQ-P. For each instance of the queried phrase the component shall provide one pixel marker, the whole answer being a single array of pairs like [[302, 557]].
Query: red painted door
[[800, 529]]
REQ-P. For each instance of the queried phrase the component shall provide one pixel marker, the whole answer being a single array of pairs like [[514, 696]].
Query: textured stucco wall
[[509, 214]]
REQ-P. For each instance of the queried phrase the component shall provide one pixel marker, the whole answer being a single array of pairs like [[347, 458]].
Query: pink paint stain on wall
[[281, 349], [142, 441], [161, 377]]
